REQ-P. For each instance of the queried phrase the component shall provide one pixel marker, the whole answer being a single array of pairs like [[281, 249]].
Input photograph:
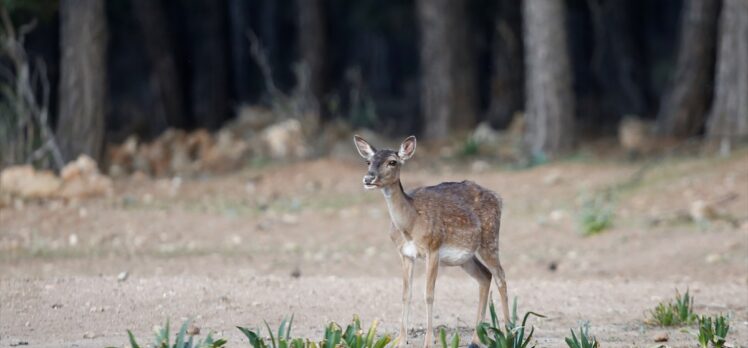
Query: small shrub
[[713, 331], [334, 336], [454, 343], [595, 216], [584, 340], [470, 148], [162, 339], [679, 312], [513, 335]]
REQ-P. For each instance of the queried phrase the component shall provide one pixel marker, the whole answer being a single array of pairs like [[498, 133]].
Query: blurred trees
[[447, 75], [506, 85], [207, 66], [728, 118], [312, 39], [685, 104], [549, 104], [573, 68], [83, 85], [165, 79]]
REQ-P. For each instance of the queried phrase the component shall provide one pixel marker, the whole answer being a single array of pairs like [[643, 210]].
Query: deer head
[[383, 166]]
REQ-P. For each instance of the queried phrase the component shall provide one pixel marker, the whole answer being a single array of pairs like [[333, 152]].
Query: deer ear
[[407, 148], [364, 148]]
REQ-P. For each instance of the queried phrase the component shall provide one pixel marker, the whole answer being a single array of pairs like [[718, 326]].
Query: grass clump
[[352, 337], [162, 339], [713, 331], [512, 336], [675, 313], [470, 147], [584, 340], [595, 216], [453, 343]]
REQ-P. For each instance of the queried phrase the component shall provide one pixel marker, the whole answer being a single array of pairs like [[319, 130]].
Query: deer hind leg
[[483, 276], [490, 258]]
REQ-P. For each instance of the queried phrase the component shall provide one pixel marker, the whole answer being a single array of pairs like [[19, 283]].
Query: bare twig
[[30, 113], [258, 53]]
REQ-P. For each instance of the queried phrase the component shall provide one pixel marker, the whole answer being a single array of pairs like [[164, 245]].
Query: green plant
[[713, 331], [334, 336], [678, 312], [162, 339], [454, 342], [595, 216], [470, 148], [584, 340], [513, 335]]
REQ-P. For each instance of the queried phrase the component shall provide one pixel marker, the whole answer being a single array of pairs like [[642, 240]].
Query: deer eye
[[368, 163], [392, 163]]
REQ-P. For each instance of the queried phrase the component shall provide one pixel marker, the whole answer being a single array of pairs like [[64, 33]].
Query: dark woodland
[[575, 69]]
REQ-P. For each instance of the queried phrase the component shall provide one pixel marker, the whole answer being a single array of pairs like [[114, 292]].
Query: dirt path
[[221, 250], [62, 311]]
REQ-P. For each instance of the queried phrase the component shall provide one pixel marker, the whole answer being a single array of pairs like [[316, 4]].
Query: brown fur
[[453, 223]]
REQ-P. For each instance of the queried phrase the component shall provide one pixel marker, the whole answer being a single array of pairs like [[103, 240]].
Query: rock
[[228, 153], [557, 215], [89, 335], [26, 182], [479, 166], [661, 337], [489, 140], [193, 330], [81, 179], [122, 276], [635, 134], [702, 211], [250, 120], [713, 258], [553, 266], [122, 157], [285, 140], [485, 134]]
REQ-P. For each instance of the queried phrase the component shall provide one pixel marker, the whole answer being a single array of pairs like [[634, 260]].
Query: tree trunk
[[311, 22], [208, 64], [507, 94], [447, 75], [617, 61], [165, 79], [82, 89], [463, 69], [549, 108], [728, 118], [685, 105]]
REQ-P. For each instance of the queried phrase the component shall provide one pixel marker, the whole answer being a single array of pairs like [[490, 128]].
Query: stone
[[81, 179], [26, 182], [285, 140]]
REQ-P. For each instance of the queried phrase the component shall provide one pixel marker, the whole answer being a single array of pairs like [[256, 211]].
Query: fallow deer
[[452, 224]]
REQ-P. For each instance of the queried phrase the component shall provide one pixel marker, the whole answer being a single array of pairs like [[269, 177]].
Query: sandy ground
[[222, 250]]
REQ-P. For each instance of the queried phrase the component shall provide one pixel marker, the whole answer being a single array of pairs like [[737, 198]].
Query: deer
[[449, 224]]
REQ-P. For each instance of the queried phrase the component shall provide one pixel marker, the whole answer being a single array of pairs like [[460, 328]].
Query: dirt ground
[[227, 251]]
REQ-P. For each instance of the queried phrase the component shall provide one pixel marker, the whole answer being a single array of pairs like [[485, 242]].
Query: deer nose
[[369, 178]]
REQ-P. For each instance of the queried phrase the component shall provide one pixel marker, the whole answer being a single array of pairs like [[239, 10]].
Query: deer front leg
[[407, 286], [432, 268]]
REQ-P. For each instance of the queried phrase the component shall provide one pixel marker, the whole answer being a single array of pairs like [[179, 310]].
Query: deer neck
[[401, 209]]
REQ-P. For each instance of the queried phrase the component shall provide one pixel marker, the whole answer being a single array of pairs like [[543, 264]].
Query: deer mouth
[[371, 186]]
